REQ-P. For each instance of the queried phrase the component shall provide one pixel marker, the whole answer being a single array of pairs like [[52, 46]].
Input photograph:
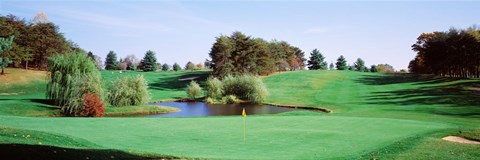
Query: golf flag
[[244, 114]]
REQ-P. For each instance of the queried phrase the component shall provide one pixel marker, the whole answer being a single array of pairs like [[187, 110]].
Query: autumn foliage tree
[[239, 54], [34, 41], [454, 53]]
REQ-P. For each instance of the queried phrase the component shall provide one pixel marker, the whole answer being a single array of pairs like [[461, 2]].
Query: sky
[[379, 32]]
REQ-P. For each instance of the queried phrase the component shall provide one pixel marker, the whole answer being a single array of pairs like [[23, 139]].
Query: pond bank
[[138, 110]]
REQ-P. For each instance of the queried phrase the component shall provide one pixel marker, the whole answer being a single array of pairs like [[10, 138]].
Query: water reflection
[[196, 109]]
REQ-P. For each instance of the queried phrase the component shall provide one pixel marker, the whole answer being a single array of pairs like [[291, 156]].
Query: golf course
[[246, 80], [374, 115]]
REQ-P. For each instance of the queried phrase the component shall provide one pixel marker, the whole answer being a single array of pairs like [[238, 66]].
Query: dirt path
[[460, 140]]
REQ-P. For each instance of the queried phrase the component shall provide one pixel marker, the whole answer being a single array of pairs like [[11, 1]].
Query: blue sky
[[182, 31]]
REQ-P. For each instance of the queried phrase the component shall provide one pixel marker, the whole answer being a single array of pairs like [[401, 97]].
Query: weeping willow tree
[[72, 75]]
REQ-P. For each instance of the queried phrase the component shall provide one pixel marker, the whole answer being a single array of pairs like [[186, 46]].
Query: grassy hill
[[374, 116]]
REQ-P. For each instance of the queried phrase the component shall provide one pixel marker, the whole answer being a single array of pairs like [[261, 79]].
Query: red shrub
[[93, 106]]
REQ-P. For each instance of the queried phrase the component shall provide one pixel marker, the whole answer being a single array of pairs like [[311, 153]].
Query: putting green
[[267, 137]]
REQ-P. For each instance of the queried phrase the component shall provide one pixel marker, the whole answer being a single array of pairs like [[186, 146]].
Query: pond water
[[198, 109]]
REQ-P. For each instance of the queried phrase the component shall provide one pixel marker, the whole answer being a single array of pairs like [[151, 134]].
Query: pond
[[199, 109]]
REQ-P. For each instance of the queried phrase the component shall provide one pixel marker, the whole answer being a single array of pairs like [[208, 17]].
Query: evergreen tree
[[176, 67], [91, 55], [351, 68], [359, 65], [165, 67], [5, 46], [149, 62], [332, 67], [341, 63], [317, 61], [111, 62], [373, 69]]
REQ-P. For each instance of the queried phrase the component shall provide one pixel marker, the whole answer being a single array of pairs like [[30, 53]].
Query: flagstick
[[244, 130]]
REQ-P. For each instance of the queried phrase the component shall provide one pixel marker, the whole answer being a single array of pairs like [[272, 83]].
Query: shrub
[[193, 89], [230, 99], [214, 88], [176, 67], [245, 87], [71, 76], [128, 91], [92, 106], [210, 100], [165, 67]]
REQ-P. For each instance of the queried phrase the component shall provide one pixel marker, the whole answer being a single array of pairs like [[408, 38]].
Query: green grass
[[138, 110], [374, 116], [276, 137], [163, 85]]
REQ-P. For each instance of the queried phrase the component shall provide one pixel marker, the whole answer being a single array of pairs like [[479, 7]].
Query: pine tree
[[373, 69], [316, 61], [111, 62], [359, 65], [176, 67], [149, 61], [341, 63], [332, 67]]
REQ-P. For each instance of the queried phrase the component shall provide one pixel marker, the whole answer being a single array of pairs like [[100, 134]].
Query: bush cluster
[[214, 88], [193, 90], [71, 76], [233, 89], [128, 91]]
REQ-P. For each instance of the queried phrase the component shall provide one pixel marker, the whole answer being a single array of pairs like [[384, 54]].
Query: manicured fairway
[[374, 116], [267, 137]]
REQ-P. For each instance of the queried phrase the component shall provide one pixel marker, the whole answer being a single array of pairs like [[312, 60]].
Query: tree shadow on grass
[[45, 103], [458, 98], [180, 82], [402, 78], [27, 152]]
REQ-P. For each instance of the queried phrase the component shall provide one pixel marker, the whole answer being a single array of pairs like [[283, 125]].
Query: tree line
[[453, 53], [317, 62], [35, 40], [241, 54]]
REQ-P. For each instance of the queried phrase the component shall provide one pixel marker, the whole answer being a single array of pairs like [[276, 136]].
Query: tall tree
[[111, 62], [341, 63], [221, 53], [332, 67], [34, 42], [241, 54], [454, 53], [149, 62], [176, 67], [5, 46], [317, 61], [373, 68], [189, 66], [165, 67], [385, 68], [359, 65]]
